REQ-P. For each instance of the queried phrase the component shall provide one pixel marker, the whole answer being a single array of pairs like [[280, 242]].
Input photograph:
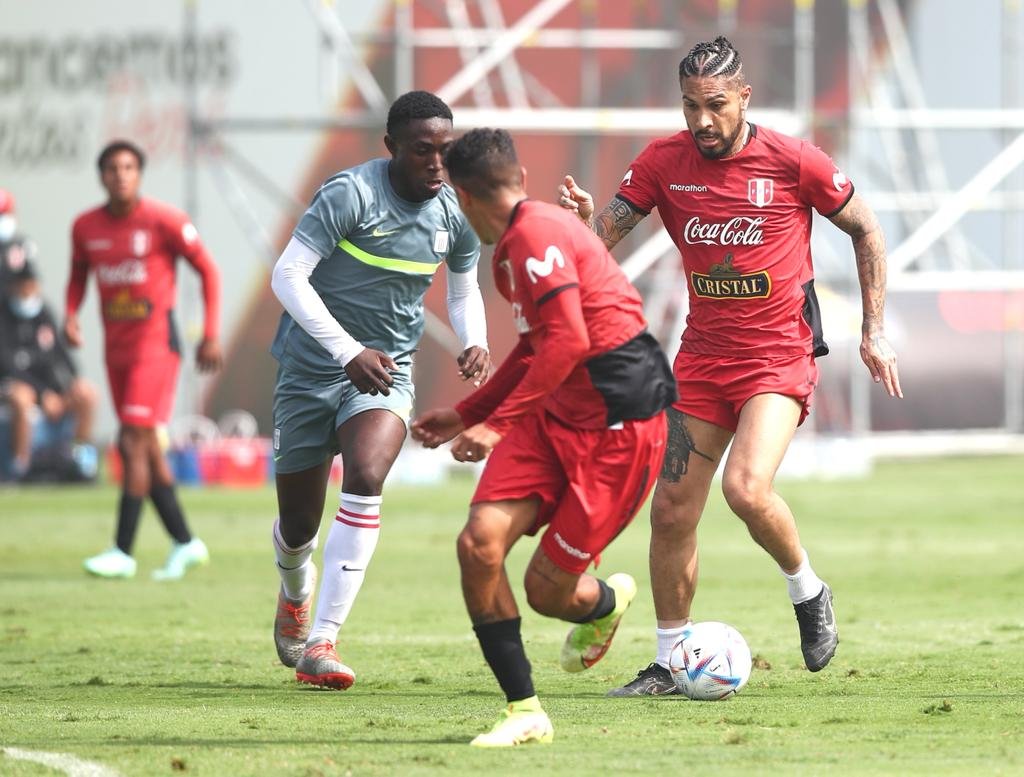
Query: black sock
[[503, 648], [166, 503], [128, 511], [605, 604]]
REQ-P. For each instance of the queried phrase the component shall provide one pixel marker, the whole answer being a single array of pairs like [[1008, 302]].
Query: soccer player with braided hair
[[736, 199]]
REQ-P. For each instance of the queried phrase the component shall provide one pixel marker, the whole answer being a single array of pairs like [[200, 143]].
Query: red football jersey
[[134, 257], [743, 227], [545, 251]]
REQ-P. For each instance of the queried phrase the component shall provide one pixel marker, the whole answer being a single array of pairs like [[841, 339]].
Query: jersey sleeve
[[823, 186], [564, 343], [183, 240], [475, 408], [181, 235], [545, 270], [334, 213], [465, 250], [638, 186]]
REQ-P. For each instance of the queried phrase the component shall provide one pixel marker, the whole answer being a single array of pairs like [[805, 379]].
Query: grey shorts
[[308, 411]]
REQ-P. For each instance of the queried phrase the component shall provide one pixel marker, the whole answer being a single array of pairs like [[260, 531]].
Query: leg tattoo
[[680, 446]]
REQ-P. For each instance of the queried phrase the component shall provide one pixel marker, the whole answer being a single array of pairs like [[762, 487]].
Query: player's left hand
[[436, 426], [880, 359], [475, 444], [208, 356], [475, 365]]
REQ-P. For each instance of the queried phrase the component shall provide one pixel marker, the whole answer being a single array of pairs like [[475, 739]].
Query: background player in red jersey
[[573, 422], [131, 244], [737, 201]]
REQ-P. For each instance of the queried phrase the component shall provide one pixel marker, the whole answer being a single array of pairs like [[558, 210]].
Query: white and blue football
[[710, 661]]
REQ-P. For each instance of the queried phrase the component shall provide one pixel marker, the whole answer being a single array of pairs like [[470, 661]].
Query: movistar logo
[[535, 267], [377, 232]]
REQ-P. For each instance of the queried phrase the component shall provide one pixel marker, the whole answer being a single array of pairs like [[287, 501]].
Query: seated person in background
[[36, 370], [15, 248]]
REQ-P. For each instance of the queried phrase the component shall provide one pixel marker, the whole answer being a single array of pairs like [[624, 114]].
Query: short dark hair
[[482, 161], [416, 105], [116, 146], [712, 59]]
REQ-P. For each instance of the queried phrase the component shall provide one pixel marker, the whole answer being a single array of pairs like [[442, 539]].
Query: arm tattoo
[[859, 222], [615, 222], [680, 446]]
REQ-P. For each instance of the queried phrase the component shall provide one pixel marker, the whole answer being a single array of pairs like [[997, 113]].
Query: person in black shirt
[[36, 370]]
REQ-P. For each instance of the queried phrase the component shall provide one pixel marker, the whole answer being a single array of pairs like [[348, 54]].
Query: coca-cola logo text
[[738, 231], [128, 272]]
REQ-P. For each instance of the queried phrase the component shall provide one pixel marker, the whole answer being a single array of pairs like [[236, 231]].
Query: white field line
[[68, 764]]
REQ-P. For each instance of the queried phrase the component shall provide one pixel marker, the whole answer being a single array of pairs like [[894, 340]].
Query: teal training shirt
[[380, 253]]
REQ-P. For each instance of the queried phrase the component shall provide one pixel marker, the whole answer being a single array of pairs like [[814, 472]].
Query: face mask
[[8, 225], [26, 307]]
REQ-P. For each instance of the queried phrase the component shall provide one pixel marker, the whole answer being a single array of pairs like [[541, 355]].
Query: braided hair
[[714, 59]]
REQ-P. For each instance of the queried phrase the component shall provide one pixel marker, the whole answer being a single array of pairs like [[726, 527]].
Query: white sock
[[293, 565], [667, 639], [803, 584], [347, 553]]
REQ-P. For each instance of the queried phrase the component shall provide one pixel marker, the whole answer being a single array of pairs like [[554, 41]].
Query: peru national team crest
[[140, 242], [760, 191]]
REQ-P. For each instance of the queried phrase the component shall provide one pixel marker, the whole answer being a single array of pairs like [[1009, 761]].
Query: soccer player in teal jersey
[[352, 281]]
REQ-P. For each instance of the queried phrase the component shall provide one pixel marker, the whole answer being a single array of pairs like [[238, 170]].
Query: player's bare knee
[[673, 516], [21, 397], [747, 496], [133, 441], [477, 550], [365, 478], [82, 395]]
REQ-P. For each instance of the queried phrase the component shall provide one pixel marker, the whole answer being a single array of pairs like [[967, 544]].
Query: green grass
[[926, 560]]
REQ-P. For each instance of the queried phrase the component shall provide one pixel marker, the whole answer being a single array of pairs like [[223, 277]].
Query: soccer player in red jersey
[[131, 244], [737, 201], [572, 421]]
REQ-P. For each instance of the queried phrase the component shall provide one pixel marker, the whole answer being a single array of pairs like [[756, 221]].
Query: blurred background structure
[[246, 106]]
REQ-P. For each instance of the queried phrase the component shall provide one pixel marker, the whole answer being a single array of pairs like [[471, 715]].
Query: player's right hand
[[73, 331], [436, 426], [370, 372], [572, 197]]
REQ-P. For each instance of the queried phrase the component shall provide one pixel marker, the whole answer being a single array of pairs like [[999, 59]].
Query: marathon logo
[[576, 552], [723, 282], [123, 307]]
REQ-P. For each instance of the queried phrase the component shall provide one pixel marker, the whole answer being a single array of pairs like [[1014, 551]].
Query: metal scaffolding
[[887, 111]]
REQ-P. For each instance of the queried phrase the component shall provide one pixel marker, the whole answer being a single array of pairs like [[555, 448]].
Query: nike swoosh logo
[[347, 568], [278, 458], [378, 233]]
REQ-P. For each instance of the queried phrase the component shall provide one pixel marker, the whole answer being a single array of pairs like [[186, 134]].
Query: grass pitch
[[926, 560]]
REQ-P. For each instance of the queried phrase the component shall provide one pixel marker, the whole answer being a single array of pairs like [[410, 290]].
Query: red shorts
[[591, 482], [143, 392], [715, 388]]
